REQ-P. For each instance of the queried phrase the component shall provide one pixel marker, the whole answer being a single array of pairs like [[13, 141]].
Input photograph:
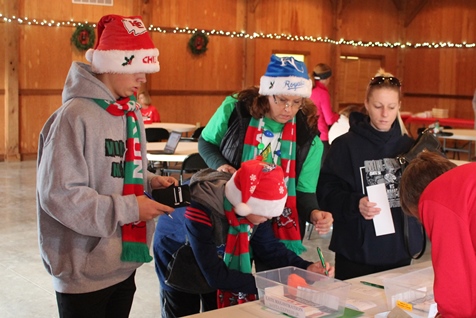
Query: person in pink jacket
[[321, 76], [443, 197]]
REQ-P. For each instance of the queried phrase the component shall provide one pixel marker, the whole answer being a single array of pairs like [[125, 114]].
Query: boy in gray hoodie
[[95, 223]]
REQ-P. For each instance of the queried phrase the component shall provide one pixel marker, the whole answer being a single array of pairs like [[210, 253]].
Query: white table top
[[183, 128], [360, 296], [184, 149], [459, 162], [460, 134]]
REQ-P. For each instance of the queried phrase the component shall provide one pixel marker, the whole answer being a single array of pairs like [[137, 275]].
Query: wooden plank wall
[[189, 88], [441, 78]]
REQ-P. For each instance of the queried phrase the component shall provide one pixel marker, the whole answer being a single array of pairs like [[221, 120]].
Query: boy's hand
[[162, 182], [317, 268], [150, 209]]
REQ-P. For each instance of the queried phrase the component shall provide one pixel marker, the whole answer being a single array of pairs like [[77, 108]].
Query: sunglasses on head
[[379, 80]]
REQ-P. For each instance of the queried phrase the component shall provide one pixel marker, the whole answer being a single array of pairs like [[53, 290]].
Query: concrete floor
[[26, 288]]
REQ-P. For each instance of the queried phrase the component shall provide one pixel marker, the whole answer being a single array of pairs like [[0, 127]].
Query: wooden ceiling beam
[[398, 4], [411, 15], [253, 5], [340, 5]]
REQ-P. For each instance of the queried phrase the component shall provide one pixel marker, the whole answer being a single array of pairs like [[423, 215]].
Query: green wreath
[[198, 43], [83, 38]]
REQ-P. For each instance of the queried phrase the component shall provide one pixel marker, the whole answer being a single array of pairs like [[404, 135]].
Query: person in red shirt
[[442, 196], [149, 112]]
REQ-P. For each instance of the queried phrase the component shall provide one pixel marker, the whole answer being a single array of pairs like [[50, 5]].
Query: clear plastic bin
[[412, 292], [300, 293]]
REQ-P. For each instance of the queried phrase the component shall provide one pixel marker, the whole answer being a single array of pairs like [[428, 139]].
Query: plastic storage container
[[412, 292], [300, 293]]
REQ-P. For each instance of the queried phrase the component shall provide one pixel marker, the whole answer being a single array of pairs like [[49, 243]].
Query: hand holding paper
[[383, 222], [368, 209]]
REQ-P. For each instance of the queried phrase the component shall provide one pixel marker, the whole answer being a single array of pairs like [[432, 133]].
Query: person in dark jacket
[[362, 157], [278, 122], [226, 225]]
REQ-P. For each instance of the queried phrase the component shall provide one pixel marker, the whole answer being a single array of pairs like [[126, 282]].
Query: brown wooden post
[[401, 8], [144, 7], [337, 7], [249, 45], [12, 118]]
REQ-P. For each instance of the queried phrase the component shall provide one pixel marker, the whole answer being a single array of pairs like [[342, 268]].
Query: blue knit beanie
[[285, 76]]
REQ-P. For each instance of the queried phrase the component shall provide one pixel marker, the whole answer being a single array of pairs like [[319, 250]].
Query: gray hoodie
[[79, 189]]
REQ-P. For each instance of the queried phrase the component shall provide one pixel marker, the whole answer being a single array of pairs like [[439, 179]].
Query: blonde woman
[[362, 157]]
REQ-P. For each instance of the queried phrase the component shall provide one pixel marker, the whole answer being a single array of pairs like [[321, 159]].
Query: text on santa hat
[[290, 85], [151, 59]]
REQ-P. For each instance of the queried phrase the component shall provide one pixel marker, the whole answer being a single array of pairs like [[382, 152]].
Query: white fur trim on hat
[[266, 208], [243, 209], [124, 62], [292, 85], [233, 194]]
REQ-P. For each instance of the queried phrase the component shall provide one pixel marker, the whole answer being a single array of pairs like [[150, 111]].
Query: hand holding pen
[[321, 266], [323, 262]]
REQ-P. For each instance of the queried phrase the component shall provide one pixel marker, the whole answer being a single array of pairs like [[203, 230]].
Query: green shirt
[[218, 125]]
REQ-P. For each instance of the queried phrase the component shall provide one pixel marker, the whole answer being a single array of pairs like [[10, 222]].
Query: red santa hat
[[123, 46], [257, 188]]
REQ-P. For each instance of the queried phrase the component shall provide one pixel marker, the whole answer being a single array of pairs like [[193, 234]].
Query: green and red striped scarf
[[237, 254], [134, 235], [286, 226]]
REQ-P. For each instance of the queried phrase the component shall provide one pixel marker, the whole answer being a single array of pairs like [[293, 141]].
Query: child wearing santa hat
[[226, 226], [95, 224]]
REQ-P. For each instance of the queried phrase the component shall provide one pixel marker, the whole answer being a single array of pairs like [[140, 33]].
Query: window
[[354, 73], [297, 57]]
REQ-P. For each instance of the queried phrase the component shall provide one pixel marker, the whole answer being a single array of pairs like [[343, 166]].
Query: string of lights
[[254, 35]]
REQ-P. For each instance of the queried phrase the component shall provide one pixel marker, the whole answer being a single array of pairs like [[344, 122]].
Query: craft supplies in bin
[[301, 293], [412, 292]]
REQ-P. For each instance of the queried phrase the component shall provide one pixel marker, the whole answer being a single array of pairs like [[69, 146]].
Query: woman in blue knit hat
[[278, 122]]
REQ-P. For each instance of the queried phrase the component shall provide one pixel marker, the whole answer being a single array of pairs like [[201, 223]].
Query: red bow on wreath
[[198, 43], [84, 37]]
